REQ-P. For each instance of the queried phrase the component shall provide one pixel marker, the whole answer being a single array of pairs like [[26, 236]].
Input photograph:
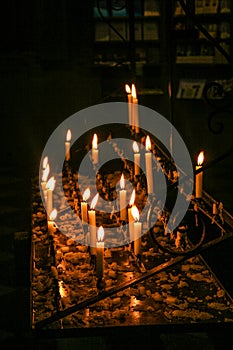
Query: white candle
[[137, 231], [100, 253], [129, 98], [95, 152], [149, 172], [67, 144], [199, 176], [130, 217], [123, 210], [135, 109], [92, 224], [84, 215], [52, 227], [49, 191], [136, 158]]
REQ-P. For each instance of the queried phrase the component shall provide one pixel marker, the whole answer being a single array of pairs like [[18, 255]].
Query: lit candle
[[135, 109], [100, 253], [45, 175], [130, 217], [95, 152], [92, 223], [49, 189], [129, 97], [148, 159], [84, 215], [45, 162], [199, 176], [67, 144], [123, 212], [136, 158], [137, 231], [52, 227]]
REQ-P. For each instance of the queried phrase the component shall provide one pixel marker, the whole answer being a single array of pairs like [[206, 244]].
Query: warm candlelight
[[137, 230], [49, 189], [135, 109], [45, 175], [86, 195], [67, 144], [130, 216], [123, 212], [100, 253], [129, 97], [95, 151], [45, 162], [52, 227], [136, 158], [92, 223], [199, 176], [149, 172]]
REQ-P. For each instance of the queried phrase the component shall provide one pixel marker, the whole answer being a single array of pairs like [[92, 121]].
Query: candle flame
[[200, 158], [94, 201], [135, 147], [45, 162], [148, 143], [51, 184], [132, 198], [127, 89], [122, 182], [100, 234], [46, 173], [95, 141], [86, 194], [134, 94], [68, 135], [53, 215], [135, 213]]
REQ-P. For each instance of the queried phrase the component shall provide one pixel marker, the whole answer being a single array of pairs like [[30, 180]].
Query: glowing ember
[[95, 141], [122, 182], [200, 158], [68, 135], [148, 143], [51, 184], [100, 234], [94, 201], [86, 194], [135, 147], [135, 213], [132, 198]]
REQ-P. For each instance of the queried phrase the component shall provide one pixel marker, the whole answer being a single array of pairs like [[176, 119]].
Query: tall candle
[[129, 98], [137, 231], [95, 152], [199, 176], [92, 223], [135, 109], [136, 158], [100, 253], [52, 227], [149, 172], [123, 210], [49, 189], [67, 144], [84, 215], [130, 217]]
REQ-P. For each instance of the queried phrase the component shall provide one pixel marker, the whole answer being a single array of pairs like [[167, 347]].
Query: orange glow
[[134, 94], [127, 89], [100, 234], [46, 173], [68, 135], [135, 147], [122, 182], [94, 201], [86, 194], [53, 215], [200, 158], [95, 141], [45, 162], [148, 143], [62, 289], [51, 184], [132, 198], [135, 213]]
